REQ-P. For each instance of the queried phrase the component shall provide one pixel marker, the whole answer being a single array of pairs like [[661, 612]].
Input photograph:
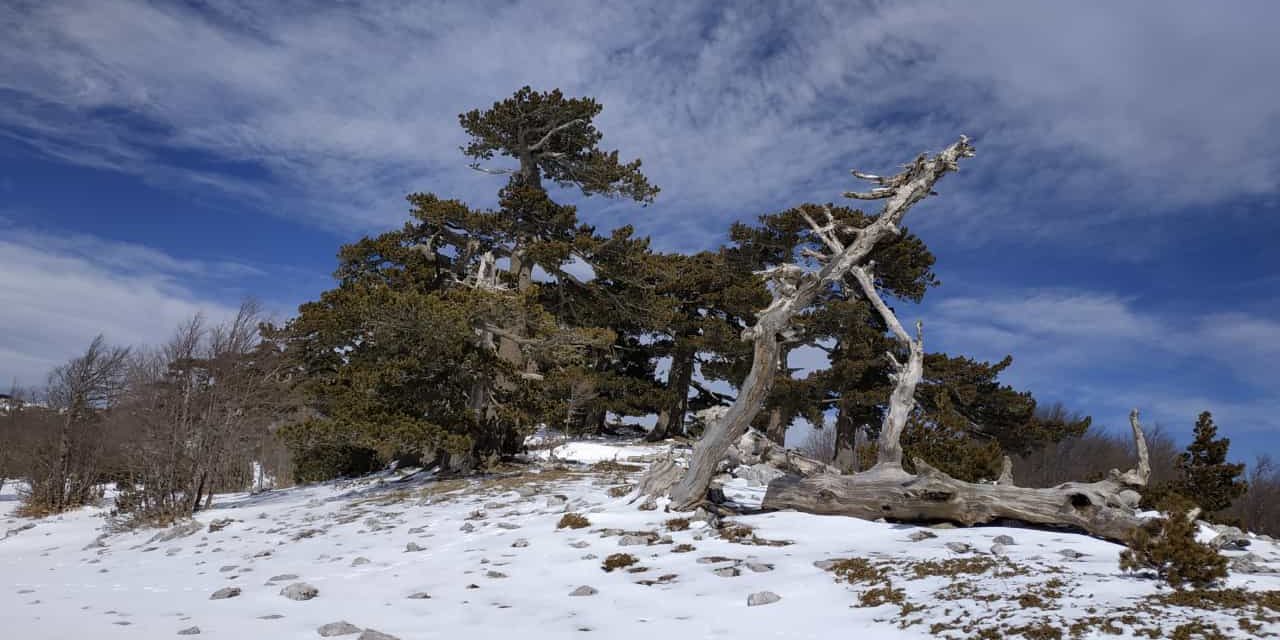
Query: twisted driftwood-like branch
[[795, 288]]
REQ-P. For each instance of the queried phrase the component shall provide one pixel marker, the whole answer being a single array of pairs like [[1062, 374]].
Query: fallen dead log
[[1105, 508]]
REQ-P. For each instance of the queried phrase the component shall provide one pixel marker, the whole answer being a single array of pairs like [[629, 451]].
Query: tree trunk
[[671, 417], [846, 440], [794, 289], [710, 449], [776, 429]]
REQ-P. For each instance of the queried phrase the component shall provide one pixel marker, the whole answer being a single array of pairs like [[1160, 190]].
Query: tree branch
[[554, 130]]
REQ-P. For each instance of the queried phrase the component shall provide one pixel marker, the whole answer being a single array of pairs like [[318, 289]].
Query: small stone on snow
[[762, 598], [339, 628], [299, 591]]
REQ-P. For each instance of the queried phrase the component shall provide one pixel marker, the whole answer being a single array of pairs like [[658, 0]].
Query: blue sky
[[1115, 232]]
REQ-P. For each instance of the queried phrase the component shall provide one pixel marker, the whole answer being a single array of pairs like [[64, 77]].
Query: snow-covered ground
[[490, 557]]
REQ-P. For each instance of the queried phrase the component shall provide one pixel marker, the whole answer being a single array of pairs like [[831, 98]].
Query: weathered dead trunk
[[709, 450], [1105, 508], [794, 288]]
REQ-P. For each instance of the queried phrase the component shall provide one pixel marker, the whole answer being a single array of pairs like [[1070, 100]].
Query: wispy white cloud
[[735, 109], [1105, 354], [58, 292]]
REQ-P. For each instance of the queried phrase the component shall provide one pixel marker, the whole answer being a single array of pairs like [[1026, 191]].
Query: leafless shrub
[[1091, 455], [65, 456], [200, 409], [820, 444]]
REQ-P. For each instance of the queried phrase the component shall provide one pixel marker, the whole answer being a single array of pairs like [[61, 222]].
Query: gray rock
[[270, 616], [584, 590], [224, 593], [998, 549], [421, 595], [219, 525], [359, 561], [495, 574], [467, 527], [520, 543], [759, 567], [580, 544], [370, 634], [942, 525], [190, 631], [416, 530], [508, 525], [177, 531], [921, 534], [413, 547], [762, 598], [230, 567], [1231, 540], [1004, 540], [1248, 563], [339, 628], [826, 565], [728, 572], [282, 577], [759, 475], [527, 491], [648, 505], [632, 541], [959, 547], [300, 591], [1071, 554], [557, 501], [26, 526]]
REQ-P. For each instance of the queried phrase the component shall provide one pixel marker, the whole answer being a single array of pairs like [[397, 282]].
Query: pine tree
[[1204, 475]]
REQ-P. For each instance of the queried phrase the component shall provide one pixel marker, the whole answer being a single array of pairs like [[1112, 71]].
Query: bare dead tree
[[1105, 508], [794, 288]]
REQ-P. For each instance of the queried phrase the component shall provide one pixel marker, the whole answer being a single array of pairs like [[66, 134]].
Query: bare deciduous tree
[[64, 466], [200, 408]]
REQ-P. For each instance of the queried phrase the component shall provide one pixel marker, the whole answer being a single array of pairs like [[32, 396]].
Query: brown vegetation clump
[[573, 521], [618, 561], [855, 570], [1168, 547], [678, 524]]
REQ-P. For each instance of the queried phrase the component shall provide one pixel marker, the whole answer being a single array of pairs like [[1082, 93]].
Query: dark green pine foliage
[[703, 301], [968, 421], [437, 343], [553, 138], [396, 360], [1204, 475]]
